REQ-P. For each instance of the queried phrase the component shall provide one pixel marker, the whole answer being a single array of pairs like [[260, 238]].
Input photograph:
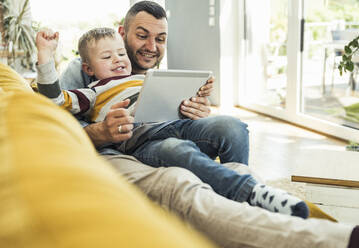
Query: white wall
[[229, 51]]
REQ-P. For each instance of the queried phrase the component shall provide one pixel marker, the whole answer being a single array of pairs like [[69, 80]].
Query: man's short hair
[[150, 7], [93, 35]]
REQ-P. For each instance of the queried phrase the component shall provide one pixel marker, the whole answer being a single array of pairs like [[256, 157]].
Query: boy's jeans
[[194, 144]]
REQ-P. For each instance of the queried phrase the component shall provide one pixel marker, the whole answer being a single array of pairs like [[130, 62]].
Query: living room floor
[[279, 150], [275, 143]]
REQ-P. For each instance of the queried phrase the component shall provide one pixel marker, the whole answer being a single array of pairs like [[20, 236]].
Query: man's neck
[[138, 71]]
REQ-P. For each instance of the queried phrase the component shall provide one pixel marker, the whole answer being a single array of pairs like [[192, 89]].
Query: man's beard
[[134, 62]]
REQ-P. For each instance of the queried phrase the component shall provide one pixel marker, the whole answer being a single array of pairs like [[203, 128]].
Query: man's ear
[[87, 69], [121, 30]]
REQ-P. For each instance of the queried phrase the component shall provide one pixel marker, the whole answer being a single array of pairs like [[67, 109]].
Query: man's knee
[[175, 148], [229, 126], [176, 189], [181, 183]]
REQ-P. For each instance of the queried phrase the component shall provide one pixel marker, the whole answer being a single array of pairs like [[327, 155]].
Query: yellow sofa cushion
[[55, 191], [11, 81]]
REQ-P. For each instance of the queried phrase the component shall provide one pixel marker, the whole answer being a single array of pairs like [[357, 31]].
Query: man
[[228, 223]]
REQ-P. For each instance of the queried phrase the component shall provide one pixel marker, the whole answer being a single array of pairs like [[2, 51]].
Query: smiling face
[[107, 57], [145, 40]]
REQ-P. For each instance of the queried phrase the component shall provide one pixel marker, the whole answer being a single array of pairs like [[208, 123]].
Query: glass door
[[289, 55], [266, 52], [329, 26]]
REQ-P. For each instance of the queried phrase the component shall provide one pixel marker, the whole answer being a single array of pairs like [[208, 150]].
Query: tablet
[[164, 90]]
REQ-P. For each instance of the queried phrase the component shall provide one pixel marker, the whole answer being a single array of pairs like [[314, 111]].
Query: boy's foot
[[277, 200]]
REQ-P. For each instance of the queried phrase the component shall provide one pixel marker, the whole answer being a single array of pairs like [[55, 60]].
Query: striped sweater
[[95, 102]]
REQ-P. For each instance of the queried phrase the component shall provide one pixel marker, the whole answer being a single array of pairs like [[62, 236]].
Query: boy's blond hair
[[90, 36]]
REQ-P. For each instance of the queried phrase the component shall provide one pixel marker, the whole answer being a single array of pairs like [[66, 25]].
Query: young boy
[[186, 143]]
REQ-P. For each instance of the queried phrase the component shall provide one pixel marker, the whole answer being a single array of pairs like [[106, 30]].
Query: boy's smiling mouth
[[119, 69]]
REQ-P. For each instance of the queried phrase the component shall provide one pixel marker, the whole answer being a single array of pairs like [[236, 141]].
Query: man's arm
[[198, 107], [116, 127], [106, 131]]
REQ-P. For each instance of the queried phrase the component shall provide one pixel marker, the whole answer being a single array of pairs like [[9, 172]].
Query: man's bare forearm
[[97, 133], [116, 127]]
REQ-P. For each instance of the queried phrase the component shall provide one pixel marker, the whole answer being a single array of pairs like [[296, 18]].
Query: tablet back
[[164, 90]]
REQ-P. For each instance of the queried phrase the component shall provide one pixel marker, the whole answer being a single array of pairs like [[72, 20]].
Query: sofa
[[56, 191]]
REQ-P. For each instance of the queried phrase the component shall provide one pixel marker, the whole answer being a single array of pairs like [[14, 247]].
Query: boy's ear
[[121, 30], [87, 69]]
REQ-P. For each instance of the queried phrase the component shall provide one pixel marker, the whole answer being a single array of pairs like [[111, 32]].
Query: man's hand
[[198, 107], [46, 43], [206, 89], [116, 127]]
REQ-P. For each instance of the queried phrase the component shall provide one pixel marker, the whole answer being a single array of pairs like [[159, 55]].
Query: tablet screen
[[164, 90]]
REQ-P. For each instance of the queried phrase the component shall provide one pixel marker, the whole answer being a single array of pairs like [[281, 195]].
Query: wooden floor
[[279, 150], [275, 144]]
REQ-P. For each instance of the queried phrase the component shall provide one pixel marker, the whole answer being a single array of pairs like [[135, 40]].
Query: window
[[294, 80], [74, 17]]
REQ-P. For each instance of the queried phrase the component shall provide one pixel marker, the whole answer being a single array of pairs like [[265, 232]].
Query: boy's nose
[[116, 58]]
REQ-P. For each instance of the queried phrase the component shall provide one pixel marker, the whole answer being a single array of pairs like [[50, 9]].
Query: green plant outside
[[19, 33]]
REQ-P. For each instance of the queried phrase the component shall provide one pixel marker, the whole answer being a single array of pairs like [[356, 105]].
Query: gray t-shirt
[[74, 77]]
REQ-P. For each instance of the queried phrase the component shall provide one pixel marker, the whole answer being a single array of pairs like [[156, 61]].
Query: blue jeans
[[194, 144]]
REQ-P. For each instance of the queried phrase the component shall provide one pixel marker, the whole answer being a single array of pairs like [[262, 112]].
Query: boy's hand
[[46, 43], [198, 107]]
